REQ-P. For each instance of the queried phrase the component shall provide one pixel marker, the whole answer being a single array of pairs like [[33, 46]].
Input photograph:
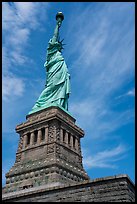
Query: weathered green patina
[[57, 88]]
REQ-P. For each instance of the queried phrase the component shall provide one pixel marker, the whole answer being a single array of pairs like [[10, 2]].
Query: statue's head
[[61, 45]]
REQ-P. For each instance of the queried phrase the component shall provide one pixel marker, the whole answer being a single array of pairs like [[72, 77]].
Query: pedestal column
[[71, 141], [76, 144], [61, 135], [39, 136], [25, 141], [32, 138], [66, 137], [46, 134]]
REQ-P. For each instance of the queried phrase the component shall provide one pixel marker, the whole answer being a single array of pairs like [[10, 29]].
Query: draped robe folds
[[57, 88]]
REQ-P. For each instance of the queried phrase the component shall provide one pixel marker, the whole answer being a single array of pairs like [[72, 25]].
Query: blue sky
[[99, 53]]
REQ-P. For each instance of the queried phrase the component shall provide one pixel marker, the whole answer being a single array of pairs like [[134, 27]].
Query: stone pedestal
[[118, 188], [49, 152]]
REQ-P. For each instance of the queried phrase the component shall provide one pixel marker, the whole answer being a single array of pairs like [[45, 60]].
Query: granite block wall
[[108, 189]]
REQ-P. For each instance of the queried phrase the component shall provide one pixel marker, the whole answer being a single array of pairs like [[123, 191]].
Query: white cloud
[[129, 93], [15, 35], [9, 17], [18, 20], [82, 108], [105, 50], [12, 86], [106, 158], [26, 14], [105, 62], [100, 119], [19, 37]]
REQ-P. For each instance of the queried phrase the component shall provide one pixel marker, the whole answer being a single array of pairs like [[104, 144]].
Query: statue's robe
[[57, 88]]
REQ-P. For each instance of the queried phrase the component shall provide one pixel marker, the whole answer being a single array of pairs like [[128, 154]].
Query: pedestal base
[[49, 151]]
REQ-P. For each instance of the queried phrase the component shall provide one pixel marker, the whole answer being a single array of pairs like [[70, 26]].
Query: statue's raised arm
[[57, 85], [59, 19]]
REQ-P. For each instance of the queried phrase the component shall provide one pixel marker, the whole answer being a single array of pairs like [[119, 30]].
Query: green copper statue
[[57, 88]]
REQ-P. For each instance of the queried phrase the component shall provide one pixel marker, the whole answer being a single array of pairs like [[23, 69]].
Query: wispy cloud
[[105, 62], [129, 93], [105, 158], [105, 52], [18, 21], [100, 119], [12, 86]]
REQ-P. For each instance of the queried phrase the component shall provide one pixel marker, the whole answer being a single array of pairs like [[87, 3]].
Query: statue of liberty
[[57, 88]]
